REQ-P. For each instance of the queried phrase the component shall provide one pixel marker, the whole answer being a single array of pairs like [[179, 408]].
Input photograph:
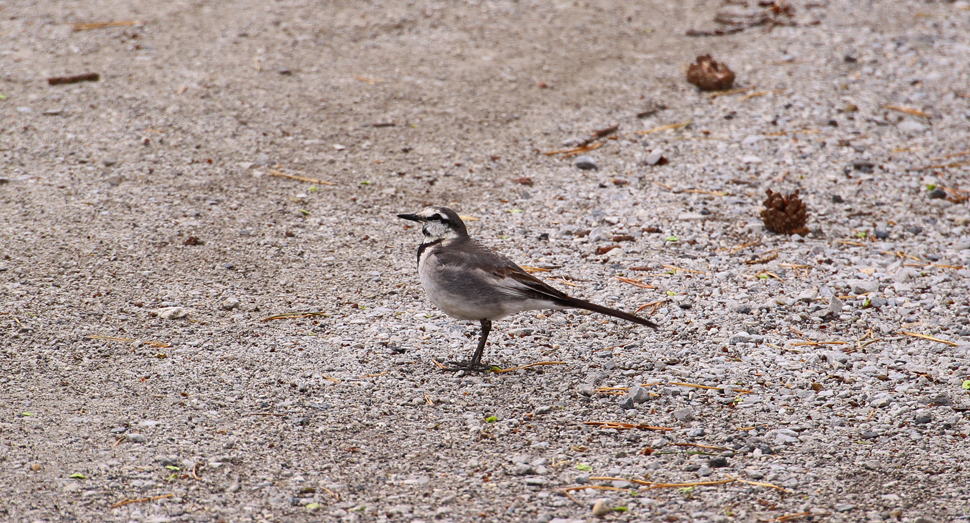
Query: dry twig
[[140, 500], [931, 338], [274, 172], [156, 344], [537, 364], [674, 126], [105, 25]]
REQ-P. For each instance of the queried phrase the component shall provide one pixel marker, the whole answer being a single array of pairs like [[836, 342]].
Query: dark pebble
[[837, 199], [937, 194], [882, 234], [922, 420], [914, 229], [717, 462]]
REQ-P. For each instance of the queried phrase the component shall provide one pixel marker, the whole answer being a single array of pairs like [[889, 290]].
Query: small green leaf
[[3, 97], [764, 276], [620, 509], [491, 419], [313, 506], [172, 467], [314, 188], [672, 239], [305, 212], [671, 271], [738, 400], [515, 211], [867, 303], [633, 492], [172, 477], [583, 467], [966, 384], [671, 293], [359, 509], [365, 182], [861, 234], [931, 186], [503, 237], [27, 414], [77, 475], [685, 490]]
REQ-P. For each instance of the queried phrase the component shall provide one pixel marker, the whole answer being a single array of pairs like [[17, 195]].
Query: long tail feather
[[580, 304]]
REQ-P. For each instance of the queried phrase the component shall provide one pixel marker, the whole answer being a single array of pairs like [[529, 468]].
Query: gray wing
[[495, 271]]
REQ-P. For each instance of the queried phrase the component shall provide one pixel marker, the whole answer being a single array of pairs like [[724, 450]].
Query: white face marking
[[437, 226]]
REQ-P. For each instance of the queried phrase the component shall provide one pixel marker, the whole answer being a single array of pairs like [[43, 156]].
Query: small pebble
[[585, 163]]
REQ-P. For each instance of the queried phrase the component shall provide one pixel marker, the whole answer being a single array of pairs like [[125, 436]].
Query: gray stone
[[171, 313], [910, 127], [878, 302], [863, 286], [585, 163], [602, 507], [654, 158], [136, 438], [844, 507], [807, 295], [638, 394], [229, 304], [717, 462], [684, 415], [881, 400], [598, 234], [835, 307]]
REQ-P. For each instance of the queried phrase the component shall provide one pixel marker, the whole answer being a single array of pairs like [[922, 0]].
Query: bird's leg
[[475, 365]]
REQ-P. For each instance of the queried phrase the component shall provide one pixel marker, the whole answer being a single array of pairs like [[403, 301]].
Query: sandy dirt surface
[[147, 235]]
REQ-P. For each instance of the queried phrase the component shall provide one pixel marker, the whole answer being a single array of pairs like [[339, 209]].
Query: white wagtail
[[469, 281]]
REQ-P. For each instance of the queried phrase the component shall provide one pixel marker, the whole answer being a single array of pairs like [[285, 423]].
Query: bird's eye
[[436, 217]]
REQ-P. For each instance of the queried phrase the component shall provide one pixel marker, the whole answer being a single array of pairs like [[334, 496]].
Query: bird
[[470, 281]]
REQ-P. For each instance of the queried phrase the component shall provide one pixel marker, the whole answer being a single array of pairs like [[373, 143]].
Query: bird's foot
[[467, 366]]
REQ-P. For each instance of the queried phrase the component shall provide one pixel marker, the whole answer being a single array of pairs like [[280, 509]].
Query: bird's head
[[439, 223]]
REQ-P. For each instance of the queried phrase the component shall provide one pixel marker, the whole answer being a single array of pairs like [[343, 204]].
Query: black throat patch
[[423, 246]]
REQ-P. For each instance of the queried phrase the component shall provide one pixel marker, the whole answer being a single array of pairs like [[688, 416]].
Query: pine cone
[[785, 214], [708, 75]]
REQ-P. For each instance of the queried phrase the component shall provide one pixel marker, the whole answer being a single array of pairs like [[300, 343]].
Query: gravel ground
[[145, 237]]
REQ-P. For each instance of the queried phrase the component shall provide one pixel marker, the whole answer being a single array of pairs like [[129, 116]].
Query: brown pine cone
[[708, 75], [785, 214]]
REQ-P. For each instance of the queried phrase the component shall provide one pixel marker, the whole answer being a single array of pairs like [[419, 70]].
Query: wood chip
[[273, 172], [369, 81], [728, 92], [907, 110], [104, 25], [672, 127], [760, 93], [140, 500], [576, 150]]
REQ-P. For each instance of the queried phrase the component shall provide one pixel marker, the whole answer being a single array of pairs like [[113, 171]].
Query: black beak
[[412, 217]]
